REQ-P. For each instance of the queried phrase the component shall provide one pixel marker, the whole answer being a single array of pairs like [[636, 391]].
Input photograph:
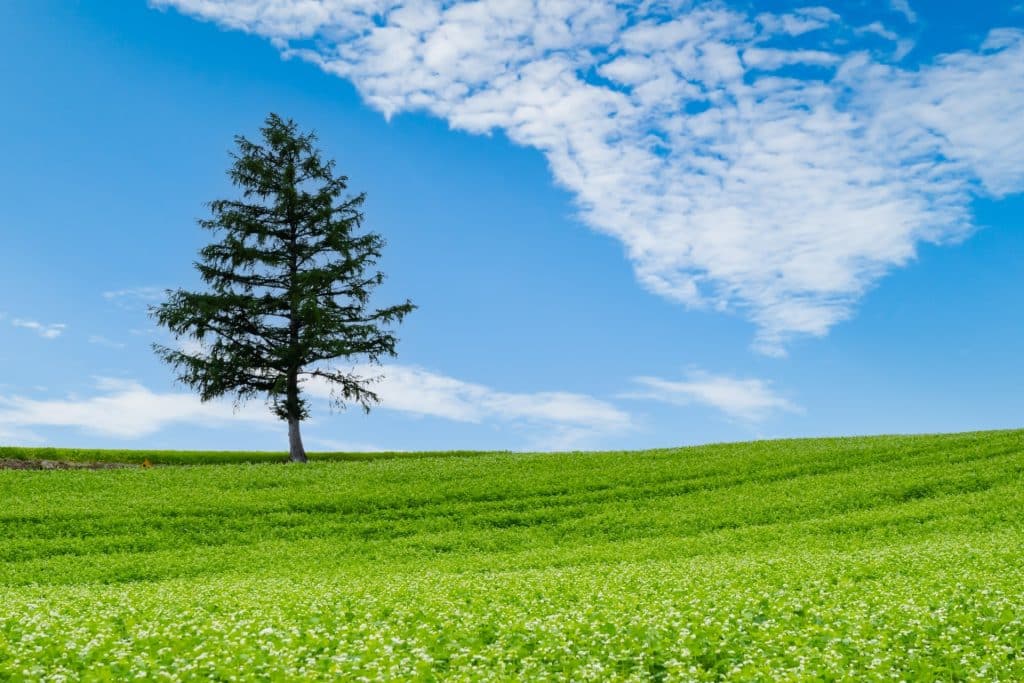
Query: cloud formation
[[100, 340], [44, 330], [561, 419], [776, 165], [750, 400], [127, 409], [123, 409], [904, 8], [134, 297]]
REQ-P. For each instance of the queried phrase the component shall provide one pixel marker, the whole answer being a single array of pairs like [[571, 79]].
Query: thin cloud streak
[[100, 340], [749, 400], [46, 331], [557, 419], [134, 297]]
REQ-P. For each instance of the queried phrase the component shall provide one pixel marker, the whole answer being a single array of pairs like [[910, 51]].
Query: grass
[[164, 457], [880, 558]]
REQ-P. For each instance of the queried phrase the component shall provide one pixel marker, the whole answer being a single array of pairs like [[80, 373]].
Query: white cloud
[[46, 331], [134, 297], [878, 28], [731, 187], [127, 409], [751, 400], [974, 100], [799, 22], [100, 340], [904, 8], [560, 418], [124, 409], [770, 59]]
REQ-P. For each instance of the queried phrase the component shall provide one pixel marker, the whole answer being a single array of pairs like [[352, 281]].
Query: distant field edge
[[173, 457], [187, 457]]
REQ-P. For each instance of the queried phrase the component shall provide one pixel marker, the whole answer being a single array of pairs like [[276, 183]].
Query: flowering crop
[[866, 559]]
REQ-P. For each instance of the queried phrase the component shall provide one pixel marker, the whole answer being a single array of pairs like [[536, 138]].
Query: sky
[[625, 225]]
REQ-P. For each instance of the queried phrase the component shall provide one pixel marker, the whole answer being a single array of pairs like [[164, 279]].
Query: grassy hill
[[856, 559]]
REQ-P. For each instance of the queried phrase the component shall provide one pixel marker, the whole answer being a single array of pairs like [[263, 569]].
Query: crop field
[[885, 558]]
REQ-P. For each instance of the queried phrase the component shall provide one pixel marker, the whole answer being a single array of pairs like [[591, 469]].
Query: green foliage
[[827, 559], [288, 284]]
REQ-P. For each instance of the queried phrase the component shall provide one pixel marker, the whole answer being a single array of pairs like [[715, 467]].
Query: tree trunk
[[296, 452]]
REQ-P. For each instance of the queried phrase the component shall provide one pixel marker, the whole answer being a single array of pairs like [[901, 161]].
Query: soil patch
[[15, 464]]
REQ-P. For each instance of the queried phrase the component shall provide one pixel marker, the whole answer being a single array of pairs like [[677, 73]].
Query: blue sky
[[625, 226]]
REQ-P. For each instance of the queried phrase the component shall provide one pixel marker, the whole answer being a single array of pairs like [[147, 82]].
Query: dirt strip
[[15, 464]]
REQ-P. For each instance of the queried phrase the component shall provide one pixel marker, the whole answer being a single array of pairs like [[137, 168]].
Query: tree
[[288, 286]]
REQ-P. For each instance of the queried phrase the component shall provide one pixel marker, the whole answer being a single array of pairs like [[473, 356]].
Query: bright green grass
[[856, 559]]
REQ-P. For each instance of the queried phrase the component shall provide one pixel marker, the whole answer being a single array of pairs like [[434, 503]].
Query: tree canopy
[[288, 282]]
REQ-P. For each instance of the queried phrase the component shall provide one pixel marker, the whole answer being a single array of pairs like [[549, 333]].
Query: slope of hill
[[861, 558]]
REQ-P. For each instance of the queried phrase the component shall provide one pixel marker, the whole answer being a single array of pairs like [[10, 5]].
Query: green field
[[881, 558]]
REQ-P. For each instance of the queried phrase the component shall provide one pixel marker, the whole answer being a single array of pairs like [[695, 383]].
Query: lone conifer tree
[[288, 285]]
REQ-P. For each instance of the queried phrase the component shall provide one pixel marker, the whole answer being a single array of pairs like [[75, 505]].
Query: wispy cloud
[[123, 409], [878, 28], [44, 330], [904, 8], [127, 409], [750, 400], [733, 184], [100, 340], [134, 297], [556, 419]]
